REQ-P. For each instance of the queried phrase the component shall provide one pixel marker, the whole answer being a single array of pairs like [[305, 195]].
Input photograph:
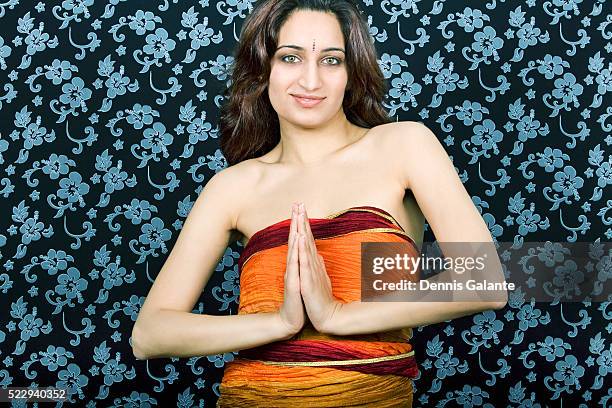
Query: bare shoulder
[[412, 146], [394, 134], [234, 183]]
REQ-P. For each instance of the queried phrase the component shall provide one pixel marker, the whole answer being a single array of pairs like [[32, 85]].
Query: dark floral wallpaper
[[109, 132]]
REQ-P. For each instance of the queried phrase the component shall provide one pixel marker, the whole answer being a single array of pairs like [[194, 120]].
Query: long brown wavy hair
[[248, 124]]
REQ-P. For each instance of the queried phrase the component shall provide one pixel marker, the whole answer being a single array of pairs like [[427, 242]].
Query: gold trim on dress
[[389, 218], [381, 229], [337, 362]]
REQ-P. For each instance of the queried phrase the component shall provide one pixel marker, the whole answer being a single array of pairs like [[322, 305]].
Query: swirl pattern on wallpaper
[[110, 109]]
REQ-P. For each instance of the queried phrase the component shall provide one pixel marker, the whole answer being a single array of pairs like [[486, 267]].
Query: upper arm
[[426, 169], [201, 242]]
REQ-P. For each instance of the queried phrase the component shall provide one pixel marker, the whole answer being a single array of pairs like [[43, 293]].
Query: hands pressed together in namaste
[[306, 279]]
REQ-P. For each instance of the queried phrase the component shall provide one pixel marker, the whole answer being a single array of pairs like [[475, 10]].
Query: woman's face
[[316, 68]]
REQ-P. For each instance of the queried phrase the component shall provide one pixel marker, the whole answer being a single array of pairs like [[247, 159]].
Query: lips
[[306, 96], [307, 102]]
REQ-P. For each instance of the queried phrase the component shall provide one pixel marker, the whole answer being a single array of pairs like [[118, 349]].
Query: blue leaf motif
[[596, 156], [187, 112], [106, 67], [596, 344], [516, 204], [434, 346], [101, 353], [19, 308], [25, 23], [22, 118]]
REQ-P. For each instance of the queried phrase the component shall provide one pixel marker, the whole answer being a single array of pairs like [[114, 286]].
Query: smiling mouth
[[307, 102]]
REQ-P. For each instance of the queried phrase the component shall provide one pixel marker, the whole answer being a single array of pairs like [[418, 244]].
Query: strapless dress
[[314, 369]]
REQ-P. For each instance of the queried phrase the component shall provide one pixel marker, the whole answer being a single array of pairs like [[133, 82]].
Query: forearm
[[419, 308], [168, 333], [365, 317]]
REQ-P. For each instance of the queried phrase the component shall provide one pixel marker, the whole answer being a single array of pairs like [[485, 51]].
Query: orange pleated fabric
[[259, 377]]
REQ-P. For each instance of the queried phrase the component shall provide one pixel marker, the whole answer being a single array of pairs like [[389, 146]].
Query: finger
[[300, 244], [320, 259], [300, 216], [303, 266], [296, 248], [322, 263], [292, 271], [303, 221], [310, 242], [307, 224], [292, 250], [307, 247], [292, 231], [304, 259]]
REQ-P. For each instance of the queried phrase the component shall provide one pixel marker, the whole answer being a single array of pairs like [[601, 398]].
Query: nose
[[310, 77]]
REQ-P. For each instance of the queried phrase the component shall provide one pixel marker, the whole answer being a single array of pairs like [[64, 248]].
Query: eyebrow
[[297, 47]]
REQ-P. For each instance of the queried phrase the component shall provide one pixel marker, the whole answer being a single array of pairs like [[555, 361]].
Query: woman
[[303, 122]]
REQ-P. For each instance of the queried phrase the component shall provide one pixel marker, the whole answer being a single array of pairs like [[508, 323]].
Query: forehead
[[302, 26]]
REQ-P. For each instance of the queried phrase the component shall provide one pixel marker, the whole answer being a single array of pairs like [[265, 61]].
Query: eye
[[283, 58], [338, 61]]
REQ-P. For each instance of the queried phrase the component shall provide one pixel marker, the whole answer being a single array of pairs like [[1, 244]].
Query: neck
[[303, 146]]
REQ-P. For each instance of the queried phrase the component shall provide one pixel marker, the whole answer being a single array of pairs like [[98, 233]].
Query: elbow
[[503, 301], [138, 346], [500, 304], [138, 354], [500, 299]]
